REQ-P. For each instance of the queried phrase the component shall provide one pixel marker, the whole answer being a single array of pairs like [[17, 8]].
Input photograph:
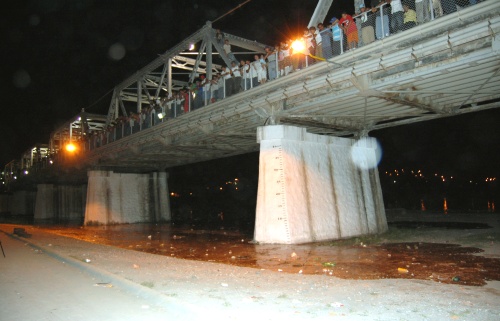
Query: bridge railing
[[382, 21]]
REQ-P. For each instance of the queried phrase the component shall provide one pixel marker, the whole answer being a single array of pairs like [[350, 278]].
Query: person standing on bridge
[[227, 50], [271, 62], [397, 15], [326, 40], [382, 29], [186, 99], [319, 42], [260, 69], [337, 44], [423, 11], [367, 25], [287, 60], [228, 81], [316, 40], [212, 89], [410, 17], [243, 67], [349, 26], [219, 36], [235, 70], [245, 73], [221, 85]]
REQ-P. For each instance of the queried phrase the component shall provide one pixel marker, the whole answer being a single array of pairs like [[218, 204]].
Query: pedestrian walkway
[[36, 285]]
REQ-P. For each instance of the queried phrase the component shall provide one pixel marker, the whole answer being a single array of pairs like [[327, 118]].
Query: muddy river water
[[358, 258]]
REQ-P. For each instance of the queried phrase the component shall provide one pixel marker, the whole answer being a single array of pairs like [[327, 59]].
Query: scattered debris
[[19, 231], [337, 304], [402, 270], [456, 279], [87, 261], [104, 285], [328, 264]]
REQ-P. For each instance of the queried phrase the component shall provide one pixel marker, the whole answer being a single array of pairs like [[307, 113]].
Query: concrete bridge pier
[[21, 203], [60, 202], [114, 198], [310, 189]]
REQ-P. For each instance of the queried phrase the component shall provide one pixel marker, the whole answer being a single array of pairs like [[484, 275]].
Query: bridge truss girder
[[447, 67], [175, 69]]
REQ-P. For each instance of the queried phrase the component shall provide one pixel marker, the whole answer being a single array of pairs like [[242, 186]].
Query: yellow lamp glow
[[298, 46], [70, 147]]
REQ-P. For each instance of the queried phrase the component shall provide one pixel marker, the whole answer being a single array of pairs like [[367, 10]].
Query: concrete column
[[114, 198], [70, 203], [23, 203], [311, 190], [164, 197], [5, 203], [65, 203], [44, 208]]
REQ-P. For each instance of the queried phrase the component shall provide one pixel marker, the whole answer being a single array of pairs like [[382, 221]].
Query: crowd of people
[[378, 20]]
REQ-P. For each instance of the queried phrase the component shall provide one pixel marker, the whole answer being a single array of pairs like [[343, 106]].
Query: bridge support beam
[[114, 198], [311, 190]]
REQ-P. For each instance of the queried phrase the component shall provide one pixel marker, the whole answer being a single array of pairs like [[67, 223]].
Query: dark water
[[350, 259]]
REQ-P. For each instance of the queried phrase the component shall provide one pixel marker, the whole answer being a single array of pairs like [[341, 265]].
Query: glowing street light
[[70, 147], [298, 46]]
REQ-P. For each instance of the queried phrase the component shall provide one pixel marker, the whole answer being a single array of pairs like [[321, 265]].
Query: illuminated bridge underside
[[443, 68]]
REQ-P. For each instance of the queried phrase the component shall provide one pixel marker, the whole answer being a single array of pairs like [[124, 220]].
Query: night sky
[[55, 61]]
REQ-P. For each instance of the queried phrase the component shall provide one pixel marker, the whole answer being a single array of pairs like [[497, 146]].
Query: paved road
[[36, 286]]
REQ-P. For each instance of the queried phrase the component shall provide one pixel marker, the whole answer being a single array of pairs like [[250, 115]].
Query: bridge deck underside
[[438, 70]]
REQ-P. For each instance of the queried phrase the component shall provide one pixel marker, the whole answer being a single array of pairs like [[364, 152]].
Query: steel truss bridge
[[446, 67]]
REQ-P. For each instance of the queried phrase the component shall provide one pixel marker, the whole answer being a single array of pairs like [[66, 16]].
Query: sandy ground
[[152, 287]]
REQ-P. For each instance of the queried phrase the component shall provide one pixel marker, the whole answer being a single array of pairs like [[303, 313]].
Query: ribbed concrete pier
[[127, 198], [310, 189]]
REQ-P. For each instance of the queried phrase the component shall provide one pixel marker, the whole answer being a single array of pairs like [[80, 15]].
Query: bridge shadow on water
[[447, 252]]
